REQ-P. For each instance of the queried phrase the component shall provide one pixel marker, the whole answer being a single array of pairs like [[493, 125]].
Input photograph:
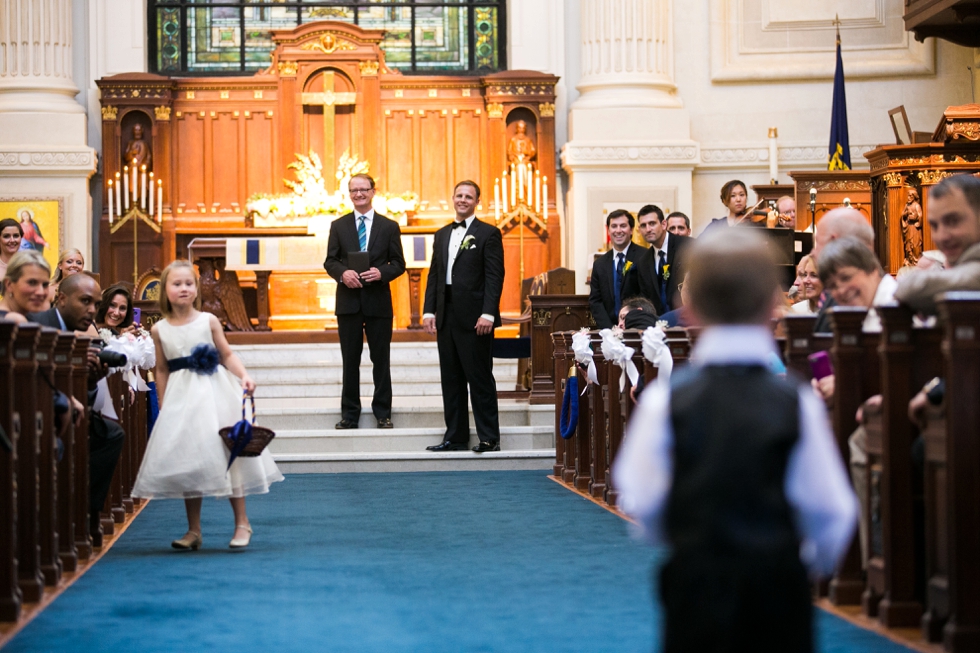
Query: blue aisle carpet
[[423, 562]]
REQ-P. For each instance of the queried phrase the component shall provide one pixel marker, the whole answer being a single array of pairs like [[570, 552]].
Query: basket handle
[[246, 396]]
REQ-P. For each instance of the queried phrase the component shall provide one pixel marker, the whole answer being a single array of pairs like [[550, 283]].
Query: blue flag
[[839, 156]]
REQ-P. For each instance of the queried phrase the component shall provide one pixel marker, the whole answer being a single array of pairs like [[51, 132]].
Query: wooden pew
[[597, 434], [581, 442], [551, 313], [10, 594], [25, 398], [960, 312], [50, 562], [615, 424], [801, 342], [562, 342], [84, 538], [66, 479]]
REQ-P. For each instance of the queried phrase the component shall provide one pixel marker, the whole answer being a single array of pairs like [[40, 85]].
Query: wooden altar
[[217, 141]]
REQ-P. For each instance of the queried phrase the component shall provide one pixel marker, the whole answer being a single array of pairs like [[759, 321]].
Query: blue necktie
[[362, 233], [663, 283], [618, 285]]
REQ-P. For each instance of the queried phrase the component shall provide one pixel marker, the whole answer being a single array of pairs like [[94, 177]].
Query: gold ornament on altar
[[109, 112], [369, 68], [162, 113], [288, 68], [328, 44]]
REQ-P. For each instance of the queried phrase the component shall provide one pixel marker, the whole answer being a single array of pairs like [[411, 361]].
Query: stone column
[[43, 151], [630, 139]]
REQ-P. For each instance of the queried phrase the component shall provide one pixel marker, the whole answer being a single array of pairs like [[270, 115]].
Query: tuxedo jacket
[[478, 276], [385, 252], [602, 298], [647, 273]]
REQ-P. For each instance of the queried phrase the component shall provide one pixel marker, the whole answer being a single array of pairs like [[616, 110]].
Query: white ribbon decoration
[[615, 351], [141, 354], [656, 351], [582, 347]]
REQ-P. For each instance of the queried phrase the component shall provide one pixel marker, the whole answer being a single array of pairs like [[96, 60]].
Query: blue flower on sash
[[204, 359]]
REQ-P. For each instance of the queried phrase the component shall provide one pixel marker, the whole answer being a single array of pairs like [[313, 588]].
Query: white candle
[[118, 203], [111, 207], [537, 191], [513, 184], [520, 181], [496, 200], [133, 168], [504, 190], [544, 199], [126, 185], [152, 186], [773, 156], [529, 176], [160, 201], [143, 187]]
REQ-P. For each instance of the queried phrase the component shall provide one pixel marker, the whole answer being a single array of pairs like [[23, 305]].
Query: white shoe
[[241, 542]]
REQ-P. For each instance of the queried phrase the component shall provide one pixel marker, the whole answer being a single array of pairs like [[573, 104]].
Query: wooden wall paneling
[[225, 161], [469, 151], [370, 122], [110, 156], [209, 163], [290, 125], [190, 153], [399, 141], [260, 159], [434, 168], [163, 136], [895, 254]]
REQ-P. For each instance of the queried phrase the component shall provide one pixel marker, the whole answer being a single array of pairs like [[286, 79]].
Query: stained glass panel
[[235, 36]]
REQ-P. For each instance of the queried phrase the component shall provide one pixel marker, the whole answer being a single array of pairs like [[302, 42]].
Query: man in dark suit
[[614, 273], [661, 269], [462, 307], [364, 299], [74, 310]]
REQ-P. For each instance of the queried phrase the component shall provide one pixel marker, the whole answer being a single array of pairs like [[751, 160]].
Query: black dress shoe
[[345, 424], [483, 447], [385, 423], [447, 446]]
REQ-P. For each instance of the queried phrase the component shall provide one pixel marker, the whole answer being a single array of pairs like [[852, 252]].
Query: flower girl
[[185, 457]]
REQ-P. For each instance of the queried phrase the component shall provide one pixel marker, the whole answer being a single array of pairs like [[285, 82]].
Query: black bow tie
[[459, 224]]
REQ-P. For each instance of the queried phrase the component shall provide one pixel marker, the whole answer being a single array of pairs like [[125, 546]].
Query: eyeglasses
[[360, 191]]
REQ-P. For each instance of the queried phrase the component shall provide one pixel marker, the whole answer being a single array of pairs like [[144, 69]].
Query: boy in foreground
[[736, 470]]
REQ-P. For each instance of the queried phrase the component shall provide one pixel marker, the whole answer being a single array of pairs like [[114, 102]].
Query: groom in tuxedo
[[364, 299], [462, 307]]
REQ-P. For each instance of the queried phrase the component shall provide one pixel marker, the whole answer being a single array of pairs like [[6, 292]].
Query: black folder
[[359, 262]]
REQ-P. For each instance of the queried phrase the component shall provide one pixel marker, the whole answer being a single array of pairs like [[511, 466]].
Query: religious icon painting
[[42, 221]]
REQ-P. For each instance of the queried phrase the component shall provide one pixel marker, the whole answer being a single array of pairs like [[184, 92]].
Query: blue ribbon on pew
[[569, 409]]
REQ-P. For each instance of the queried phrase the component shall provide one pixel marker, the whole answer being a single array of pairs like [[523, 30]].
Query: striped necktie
[[362, 233]]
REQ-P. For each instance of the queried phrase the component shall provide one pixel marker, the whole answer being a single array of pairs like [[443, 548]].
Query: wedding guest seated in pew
[[838, 223], [809, 288], [637, 313], [736, 470], [74, 310], [11, 236], [25, 285], [70, 262], [116, 310]]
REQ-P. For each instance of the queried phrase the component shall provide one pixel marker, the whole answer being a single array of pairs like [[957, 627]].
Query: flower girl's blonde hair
[[165, 308]]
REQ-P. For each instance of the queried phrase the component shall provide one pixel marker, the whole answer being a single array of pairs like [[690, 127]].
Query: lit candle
[[160, 201], [111, 207], [773, 156], [537, 191], [496, 200], [503, 188], [143, 187], [126, 185], [529, 177], [513, 184], [152, 186], [520, 181], [118, 203], [133, 168], [544, 199]]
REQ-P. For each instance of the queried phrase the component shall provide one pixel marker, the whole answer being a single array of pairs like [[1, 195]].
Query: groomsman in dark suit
[[614, 273], [662, 268], [462, 307], [364, 299]]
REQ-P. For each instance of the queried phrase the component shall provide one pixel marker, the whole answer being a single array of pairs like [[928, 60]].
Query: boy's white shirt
[[816, 484]]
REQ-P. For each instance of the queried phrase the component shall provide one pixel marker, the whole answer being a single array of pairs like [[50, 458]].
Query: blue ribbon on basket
[[204, 359], [569, 409], [241, 432]]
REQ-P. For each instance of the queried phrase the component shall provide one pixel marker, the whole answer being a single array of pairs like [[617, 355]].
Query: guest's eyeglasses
[[360, 191]]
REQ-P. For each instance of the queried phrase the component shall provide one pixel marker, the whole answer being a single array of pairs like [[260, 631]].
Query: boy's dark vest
[[734, 428]]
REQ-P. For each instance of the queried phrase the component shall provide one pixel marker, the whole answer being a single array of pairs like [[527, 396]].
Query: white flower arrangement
[[139, 350]]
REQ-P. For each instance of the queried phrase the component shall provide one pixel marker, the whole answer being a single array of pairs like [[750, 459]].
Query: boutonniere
[[468, 243], [627, 267], [666, 272]]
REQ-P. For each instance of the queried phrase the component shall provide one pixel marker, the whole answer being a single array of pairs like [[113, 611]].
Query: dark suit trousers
[[105, 443], [466, 358], [352, 329]]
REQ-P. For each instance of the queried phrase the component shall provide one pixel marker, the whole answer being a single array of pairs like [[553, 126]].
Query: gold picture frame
[[43, 222]]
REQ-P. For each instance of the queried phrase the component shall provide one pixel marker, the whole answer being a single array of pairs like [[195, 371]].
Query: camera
[[110, 358]]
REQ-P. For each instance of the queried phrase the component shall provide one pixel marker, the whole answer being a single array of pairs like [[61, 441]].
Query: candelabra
[[129, 192], [521, 201]]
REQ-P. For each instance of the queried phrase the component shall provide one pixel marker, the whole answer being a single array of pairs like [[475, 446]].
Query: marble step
[[407, 412], [401, 440], [421, 461]]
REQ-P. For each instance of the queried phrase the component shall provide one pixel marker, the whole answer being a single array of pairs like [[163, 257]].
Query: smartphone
[[820, 364], [136, 316]]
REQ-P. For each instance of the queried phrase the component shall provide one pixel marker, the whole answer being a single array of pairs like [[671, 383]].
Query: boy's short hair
[[678, 214], [732, 277], [647, 209], [639, 303], [467, 182], [621, 213], [843, 253]]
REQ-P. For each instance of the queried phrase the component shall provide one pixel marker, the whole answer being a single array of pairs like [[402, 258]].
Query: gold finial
[[837, 24]]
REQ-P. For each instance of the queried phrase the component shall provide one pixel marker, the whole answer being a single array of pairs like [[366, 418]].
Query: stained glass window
[[208, 37]]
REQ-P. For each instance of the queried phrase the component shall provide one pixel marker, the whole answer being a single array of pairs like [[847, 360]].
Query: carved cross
[[561, 286], [328, 99]]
